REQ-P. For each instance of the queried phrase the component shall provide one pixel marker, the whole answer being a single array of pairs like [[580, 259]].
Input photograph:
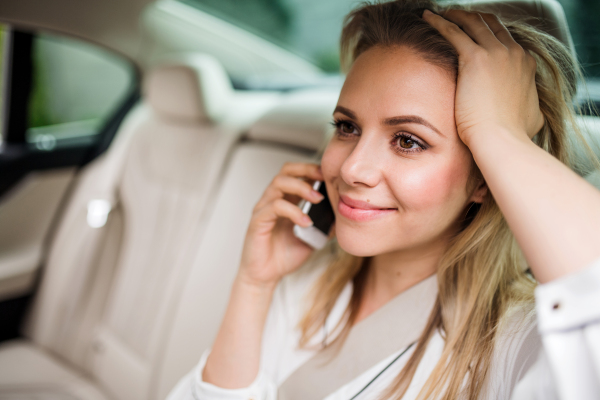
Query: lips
[[358, 210]]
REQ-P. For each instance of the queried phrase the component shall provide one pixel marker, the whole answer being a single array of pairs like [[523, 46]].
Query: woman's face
[[396, 170]]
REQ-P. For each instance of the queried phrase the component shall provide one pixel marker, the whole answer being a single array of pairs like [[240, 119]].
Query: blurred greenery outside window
[[311, 28], [76, 86], [308, 28]]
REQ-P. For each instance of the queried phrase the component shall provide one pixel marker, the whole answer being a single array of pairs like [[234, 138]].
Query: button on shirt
[[568, 312]]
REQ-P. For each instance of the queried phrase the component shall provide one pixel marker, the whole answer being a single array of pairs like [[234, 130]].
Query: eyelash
[[399, 135]]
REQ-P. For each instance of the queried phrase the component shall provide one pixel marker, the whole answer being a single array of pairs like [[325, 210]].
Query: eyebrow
[[345, 111], [402, 119], [410, 119]]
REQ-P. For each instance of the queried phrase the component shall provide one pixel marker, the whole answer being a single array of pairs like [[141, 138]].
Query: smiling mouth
[[357, 210]]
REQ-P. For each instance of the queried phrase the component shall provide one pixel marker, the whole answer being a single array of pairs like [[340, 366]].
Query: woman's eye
[[345, 127], [405, 142]]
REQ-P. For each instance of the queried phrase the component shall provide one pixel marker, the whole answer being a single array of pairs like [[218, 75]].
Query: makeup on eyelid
[[397, 138]]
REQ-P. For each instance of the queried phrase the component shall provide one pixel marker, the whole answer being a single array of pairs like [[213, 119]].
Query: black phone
[[322, 216]]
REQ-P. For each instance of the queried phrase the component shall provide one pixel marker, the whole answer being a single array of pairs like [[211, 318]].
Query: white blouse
[[567, 367]]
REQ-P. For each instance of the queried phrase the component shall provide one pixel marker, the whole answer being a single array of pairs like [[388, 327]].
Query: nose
[[361, 168]]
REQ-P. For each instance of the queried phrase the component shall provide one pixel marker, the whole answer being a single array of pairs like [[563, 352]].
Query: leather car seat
[[293, 131], [123, 246]]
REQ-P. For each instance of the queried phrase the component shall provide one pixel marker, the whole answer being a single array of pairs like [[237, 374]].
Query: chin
[[356, 244]]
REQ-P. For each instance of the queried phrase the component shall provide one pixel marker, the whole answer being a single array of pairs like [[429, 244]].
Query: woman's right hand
[[270, 249]]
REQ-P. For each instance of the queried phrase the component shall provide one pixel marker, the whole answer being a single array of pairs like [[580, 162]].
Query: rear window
[[76, 87], [583, 16], [311, 28]]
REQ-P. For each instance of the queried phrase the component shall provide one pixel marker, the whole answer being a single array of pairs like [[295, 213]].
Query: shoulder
[[516, 348]]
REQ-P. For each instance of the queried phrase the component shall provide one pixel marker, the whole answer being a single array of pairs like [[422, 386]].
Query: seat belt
[[391, 329]]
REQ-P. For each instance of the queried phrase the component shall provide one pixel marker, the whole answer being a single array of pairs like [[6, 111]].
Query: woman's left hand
[[496, 77]]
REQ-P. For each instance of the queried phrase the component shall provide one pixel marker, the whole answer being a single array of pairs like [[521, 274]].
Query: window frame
[[18, 67], [18, 157]]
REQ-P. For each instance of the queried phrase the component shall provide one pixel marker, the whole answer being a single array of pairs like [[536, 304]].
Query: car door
[[62, 102]]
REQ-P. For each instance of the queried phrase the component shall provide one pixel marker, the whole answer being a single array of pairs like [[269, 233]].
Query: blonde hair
[[483, 272]]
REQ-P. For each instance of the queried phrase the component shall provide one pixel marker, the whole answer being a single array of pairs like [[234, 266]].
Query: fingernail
[[307, 221], [317, 195]]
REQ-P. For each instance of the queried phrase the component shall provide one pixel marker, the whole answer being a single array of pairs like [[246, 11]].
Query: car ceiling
[[127, 27], [86, 19]]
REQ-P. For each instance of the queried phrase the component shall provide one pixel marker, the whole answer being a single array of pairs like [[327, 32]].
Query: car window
[[76, 86], [582, 16], [311, 28]]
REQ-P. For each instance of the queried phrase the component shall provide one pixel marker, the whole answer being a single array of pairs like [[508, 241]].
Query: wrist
[[256, 286], [494, 136]]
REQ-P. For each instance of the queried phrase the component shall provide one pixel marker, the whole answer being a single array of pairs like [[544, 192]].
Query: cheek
[[440, 185]]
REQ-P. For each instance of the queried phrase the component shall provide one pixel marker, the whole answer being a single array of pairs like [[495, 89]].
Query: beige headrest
[[301, 119], [548, 15], [190, 88]]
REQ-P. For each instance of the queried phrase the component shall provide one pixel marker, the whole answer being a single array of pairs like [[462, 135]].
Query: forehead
[[385, 82]]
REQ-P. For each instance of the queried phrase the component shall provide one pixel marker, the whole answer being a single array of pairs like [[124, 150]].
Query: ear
[[479, 193]]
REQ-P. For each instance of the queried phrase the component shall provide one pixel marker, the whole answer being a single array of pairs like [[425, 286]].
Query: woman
[[431, 172]]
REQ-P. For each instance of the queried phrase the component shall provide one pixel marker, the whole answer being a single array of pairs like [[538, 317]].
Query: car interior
[[120, 235]]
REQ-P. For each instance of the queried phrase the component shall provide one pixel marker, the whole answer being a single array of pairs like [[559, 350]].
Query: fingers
[[459, 39], [474, 25], [281, 208], [287, 185], [287, 182], [302, 170], [483, 29], [499, 30]]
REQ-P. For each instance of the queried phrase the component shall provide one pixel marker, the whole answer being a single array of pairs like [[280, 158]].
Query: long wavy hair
[[483, 272]]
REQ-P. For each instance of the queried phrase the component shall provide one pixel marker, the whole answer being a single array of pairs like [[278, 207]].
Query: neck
[[392, 273]]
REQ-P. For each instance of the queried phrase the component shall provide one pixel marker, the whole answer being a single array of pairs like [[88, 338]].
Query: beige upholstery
[[107, 295], [194, 89], [20, 361], [252, 166], [167, 184], [299, 119], [66, 306], [24, 225]]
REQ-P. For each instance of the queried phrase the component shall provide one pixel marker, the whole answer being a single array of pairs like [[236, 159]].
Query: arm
[[270, 252], [235, 356], [553, 213]]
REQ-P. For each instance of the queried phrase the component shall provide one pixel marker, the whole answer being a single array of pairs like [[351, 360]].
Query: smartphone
[[322, 216]]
